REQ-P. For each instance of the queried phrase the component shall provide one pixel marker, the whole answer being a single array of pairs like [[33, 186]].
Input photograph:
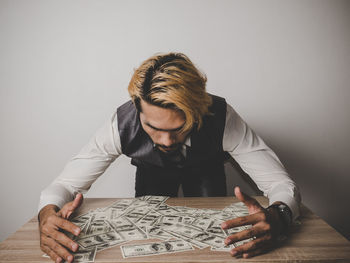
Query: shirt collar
[[188, 141]]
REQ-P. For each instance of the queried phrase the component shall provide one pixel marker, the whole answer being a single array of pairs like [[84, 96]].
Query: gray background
[[65, 67]]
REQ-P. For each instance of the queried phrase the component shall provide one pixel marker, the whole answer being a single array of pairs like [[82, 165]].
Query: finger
[[51, 254], [250, 202], [67, 225], [255, 244], [58, 249], [70, 207], [244, 220], [78, 200], [245, 234], [64, 240]]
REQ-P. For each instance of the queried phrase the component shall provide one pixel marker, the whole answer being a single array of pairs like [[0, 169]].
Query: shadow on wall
[[235, 176], [324, 188], [325, 196]]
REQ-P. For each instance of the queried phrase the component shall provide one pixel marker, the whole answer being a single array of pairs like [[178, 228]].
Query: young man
[[176, 134]]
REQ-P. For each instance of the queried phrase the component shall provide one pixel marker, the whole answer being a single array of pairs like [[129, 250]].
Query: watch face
[[285, 213], [282, 207]]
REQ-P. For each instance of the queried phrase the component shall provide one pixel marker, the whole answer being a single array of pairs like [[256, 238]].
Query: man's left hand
[[266, 227]]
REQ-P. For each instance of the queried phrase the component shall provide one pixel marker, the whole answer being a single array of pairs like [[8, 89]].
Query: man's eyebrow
[[167, 130]]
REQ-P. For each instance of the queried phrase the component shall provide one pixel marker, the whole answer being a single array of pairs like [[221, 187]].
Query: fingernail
[[58, 260], [234, 253], [74, 247], [227, 241], [70, 258], [77, 231]]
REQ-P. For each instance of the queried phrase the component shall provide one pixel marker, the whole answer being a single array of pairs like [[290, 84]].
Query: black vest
[[206, 144]]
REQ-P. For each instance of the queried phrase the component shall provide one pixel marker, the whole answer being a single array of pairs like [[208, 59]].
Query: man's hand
[[266, 228], [51, 221]]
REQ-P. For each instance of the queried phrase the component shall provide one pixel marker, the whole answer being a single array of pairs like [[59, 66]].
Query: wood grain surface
[[311, 241]]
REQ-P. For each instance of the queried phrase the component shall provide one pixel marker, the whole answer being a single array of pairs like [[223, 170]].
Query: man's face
[[163, 126]]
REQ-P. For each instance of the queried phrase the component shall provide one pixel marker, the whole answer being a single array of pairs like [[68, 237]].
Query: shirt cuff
[[289, 201], [51, 200]]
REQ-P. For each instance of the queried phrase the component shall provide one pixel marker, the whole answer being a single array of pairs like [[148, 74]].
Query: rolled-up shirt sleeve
[[259, 162], [84, 168]]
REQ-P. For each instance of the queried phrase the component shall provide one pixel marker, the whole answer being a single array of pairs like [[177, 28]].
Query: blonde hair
[[172, 81]]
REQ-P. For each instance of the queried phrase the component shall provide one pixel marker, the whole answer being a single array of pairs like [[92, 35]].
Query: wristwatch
[[285, 215]]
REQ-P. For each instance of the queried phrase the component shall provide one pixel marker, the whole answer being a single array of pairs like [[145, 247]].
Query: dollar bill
[[149, 219], [101, 239], [96, 227], [157, 232], [192, 241], [215, 228], [156, 248], [169, 219], [85, 255], [224, 248], [202, 222]]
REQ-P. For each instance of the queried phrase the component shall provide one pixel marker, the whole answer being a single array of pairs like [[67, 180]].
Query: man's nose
[[167, 139]]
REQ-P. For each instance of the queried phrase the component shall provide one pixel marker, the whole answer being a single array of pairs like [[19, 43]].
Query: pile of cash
[[178, 228]]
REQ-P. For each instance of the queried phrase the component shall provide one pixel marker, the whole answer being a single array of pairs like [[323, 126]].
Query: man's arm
[[81, 171], [84, 168], [264, 167], [259, 162]]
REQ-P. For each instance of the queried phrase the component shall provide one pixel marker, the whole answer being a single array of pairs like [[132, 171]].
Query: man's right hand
[[51, 220]]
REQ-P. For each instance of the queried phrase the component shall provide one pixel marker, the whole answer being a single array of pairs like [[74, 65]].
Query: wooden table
[[311, 241]]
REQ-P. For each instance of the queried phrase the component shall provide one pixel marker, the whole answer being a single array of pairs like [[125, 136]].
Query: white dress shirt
[[245, 146]]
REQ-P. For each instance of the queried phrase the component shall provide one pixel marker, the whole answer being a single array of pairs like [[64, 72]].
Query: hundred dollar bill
[[122, 204], [211, 240], [134, 234], [85, 255], [224, 216], [192, 241], [182, 229], [156, 248], [169, 219], [215, 229], [225, 248], [113, 213], [202, 222], [167, 210], [127, 229], [149, 219], [135, 214], [121, 224], [186, 219], [155, 201], [183, 210], [96, 227], [157, 232], [101, 239], [158, 198]]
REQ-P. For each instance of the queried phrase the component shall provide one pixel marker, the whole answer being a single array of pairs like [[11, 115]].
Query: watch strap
[[285, 215]]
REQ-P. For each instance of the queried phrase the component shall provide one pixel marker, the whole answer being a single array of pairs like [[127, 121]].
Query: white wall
[[65, 67]]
